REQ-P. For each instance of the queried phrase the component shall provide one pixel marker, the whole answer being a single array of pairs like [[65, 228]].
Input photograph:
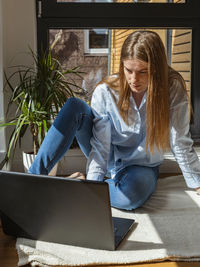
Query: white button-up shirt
[[116, 145]]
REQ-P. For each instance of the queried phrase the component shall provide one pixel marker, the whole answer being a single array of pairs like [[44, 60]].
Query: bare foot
[[77, 175], [198, 190]]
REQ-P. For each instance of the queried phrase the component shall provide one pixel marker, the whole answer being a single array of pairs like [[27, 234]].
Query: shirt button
[[119, 160]]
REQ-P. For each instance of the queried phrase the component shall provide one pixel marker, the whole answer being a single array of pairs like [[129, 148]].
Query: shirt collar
[[132, 101]]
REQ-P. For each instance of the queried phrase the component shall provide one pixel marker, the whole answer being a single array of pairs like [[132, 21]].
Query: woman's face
[[136, 73]]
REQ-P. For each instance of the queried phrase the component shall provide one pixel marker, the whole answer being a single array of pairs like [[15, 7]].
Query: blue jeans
[[130, 188]]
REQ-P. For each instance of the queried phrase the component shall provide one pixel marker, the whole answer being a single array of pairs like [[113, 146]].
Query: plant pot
[[29, 157]]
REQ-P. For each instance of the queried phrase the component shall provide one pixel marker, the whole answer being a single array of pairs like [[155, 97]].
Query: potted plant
[[41, 91]]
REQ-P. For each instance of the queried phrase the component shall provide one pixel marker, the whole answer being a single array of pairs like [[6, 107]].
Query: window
[[121, 14], [96, 41], [68, 45]]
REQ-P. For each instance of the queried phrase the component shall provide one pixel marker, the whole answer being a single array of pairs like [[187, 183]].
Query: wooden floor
[[8, 256]]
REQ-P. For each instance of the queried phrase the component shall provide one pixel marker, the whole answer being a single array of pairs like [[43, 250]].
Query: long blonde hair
[[148, 47]]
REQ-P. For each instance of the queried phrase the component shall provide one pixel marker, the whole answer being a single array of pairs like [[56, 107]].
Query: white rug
[[167, 227]]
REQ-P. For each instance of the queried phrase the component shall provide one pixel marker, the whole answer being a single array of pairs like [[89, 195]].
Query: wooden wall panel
[[179, 1], [185, 66], [181, 54], [118, 37]]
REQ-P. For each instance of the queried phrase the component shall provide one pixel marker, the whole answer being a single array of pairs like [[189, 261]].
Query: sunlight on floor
[[194, 196]]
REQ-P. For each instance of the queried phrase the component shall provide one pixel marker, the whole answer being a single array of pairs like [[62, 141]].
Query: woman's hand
[[77, 175], [198, 190]]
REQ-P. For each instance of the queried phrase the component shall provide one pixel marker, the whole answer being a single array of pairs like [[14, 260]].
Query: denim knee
[[132, 187], [139, 189], [77, 105], [132, 204], [74, 103], [70, 115], [129, 204], [135, 199]]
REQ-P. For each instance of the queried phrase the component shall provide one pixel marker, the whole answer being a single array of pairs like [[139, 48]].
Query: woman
[[134, 117]]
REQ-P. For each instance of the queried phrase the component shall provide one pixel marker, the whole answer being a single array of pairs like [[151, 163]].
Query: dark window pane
[[98, 38]]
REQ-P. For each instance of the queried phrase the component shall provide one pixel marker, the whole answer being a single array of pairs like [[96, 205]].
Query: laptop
[[61, 210]]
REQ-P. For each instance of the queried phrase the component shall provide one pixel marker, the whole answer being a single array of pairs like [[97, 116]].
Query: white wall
[[17, 32], [2, 132]]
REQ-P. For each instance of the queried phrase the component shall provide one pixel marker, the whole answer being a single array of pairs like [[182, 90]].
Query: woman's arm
[[101, 140], [180, 139]]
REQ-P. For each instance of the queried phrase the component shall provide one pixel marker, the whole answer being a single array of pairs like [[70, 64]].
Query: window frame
[[53, 15], [52, 8]]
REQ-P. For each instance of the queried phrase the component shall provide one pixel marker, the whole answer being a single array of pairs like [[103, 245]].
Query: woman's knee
[[142, 179], [128, 204], [73, 101], [136, 186], [68, 109], [71, 111], [77, 104], [133, 201], [73, 105]]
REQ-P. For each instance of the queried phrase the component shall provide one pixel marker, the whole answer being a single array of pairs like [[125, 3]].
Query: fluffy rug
[[167, 227]]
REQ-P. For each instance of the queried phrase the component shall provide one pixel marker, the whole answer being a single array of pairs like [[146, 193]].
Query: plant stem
[[34, 131]]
